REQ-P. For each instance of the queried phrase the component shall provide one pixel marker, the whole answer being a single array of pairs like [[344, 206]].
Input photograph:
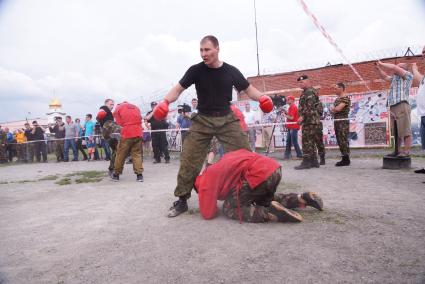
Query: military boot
[[313, 199], [278, 213], [305, 164], [314, 162], [322, 160], [344, 162], [179, 207]]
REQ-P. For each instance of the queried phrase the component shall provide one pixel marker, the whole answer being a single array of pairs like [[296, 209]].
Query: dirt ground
[[372, 229]]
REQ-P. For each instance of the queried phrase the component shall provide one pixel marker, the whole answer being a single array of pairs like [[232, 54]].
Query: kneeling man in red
[[247, 183]]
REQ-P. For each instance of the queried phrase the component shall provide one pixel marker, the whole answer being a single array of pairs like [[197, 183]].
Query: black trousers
[[40, 151], [160, 146], [81, 149]]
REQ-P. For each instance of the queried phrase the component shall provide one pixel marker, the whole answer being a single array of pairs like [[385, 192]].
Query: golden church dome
[[55, 103]]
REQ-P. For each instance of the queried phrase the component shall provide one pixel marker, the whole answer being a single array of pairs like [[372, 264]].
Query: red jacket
[[219, 179], [293, 111], [128, 116]]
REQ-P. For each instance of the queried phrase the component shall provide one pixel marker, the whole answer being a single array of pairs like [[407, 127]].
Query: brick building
[[323, 78]]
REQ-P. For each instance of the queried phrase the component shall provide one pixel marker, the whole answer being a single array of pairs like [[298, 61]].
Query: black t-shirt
[[29, 135], [157, 124], [39, 133], [214, 85]]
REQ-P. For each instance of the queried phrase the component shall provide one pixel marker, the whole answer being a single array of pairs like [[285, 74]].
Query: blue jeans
[[423, 132], [292, 140], [105, 146], [70, 142]]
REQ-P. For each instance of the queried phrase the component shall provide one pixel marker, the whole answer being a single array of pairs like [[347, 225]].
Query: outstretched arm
[[253, 93], [382, 73], [393, 68], [174, 93], [266, 103]]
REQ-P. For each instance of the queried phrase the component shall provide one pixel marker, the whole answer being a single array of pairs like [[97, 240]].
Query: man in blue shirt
[[9, 144], [398, 101], [89, 136], [183, 121]]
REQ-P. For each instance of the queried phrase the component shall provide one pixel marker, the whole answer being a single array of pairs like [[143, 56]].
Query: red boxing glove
[[100, 115], [266, 104], [161, 110]]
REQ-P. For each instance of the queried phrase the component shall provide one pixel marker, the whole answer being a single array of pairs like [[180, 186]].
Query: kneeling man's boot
[[281, 214], [313, 199], [179, 207]]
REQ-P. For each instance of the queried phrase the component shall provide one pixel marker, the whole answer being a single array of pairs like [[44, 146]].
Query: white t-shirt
[[420, 98], [249, 117]]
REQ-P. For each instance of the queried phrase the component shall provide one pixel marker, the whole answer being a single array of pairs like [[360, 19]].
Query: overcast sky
[[82, 51]]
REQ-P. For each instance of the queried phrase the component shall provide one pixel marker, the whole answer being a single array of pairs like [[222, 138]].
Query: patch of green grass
[[25, 181], [88, 174], [325, 216], [50, 177], [64, 181], [87, 180], [84, 177]]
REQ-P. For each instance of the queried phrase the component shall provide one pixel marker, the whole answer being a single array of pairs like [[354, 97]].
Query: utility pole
[[256, 39]]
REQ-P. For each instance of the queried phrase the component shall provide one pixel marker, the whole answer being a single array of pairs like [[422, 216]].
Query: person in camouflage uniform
[[341, 110], [110, 130], [310, 109], [3, 153], [319, 139], [247, 183], [59, 130]]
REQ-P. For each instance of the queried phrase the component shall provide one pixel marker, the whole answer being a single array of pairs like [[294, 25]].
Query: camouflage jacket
[[310, 107], [346, 110]]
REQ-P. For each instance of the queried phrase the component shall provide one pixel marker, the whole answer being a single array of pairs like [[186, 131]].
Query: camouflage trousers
[[341, 131], [252, 204], [59, 149], [312, 140], [132, 146], [108, 128], [319, 140], [197, 143]]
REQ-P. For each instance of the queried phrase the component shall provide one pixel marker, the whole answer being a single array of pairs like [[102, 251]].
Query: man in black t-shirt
[[40, 150], [214, 81], [159, 139]]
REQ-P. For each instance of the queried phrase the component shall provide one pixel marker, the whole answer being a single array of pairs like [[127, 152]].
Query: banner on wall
[[369, 122]]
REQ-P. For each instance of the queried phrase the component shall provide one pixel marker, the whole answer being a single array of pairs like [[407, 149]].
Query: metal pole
[[256, 39]]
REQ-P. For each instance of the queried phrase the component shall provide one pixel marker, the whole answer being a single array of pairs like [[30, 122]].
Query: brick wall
[[323, 78]]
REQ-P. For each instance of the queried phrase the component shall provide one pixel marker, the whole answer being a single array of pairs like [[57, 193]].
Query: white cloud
[[89, 50]]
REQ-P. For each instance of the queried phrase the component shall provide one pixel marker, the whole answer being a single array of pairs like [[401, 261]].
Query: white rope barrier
[[177, 130]]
